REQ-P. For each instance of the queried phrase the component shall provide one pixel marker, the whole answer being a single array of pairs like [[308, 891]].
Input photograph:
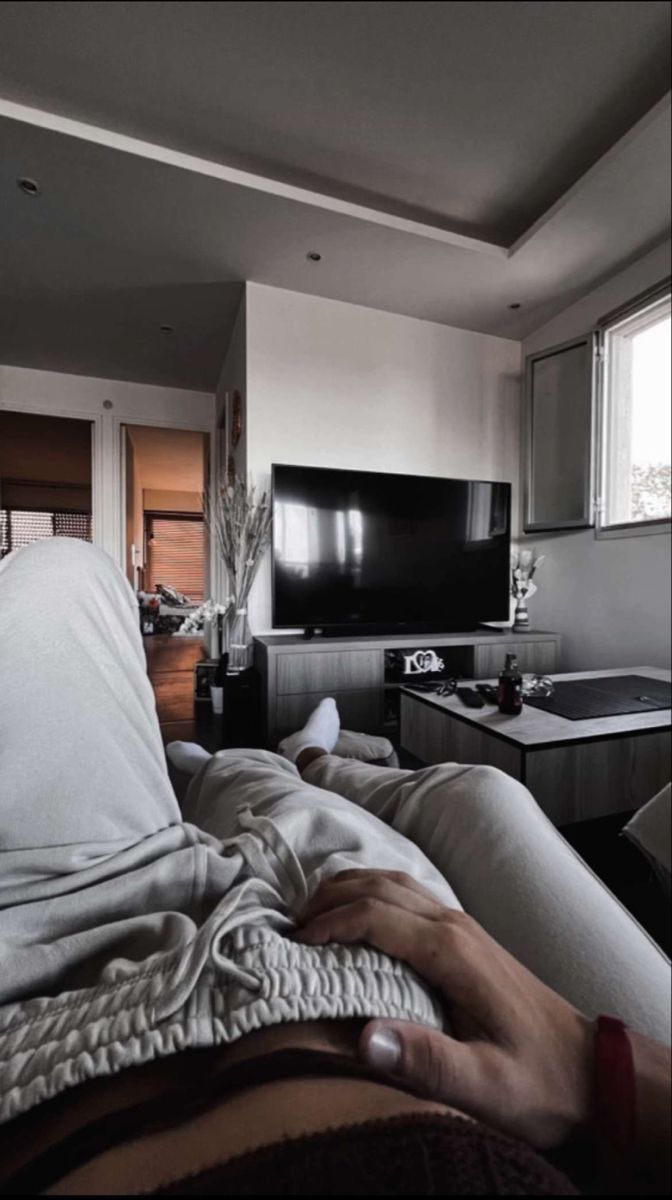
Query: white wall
[[337, 385], [81, 396], [609, 598]]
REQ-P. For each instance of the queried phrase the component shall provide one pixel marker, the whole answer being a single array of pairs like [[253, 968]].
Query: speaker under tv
[[367, 552]]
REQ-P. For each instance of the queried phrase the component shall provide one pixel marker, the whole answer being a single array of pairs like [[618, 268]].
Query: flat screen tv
[[359, 551]]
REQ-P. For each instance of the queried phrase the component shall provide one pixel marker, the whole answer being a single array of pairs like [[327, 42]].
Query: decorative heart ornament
[[422, 662]]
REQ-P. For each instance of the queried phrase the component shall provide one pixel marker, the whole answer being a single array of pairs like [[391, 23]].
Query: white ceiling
[[471, 134], [476, 115]]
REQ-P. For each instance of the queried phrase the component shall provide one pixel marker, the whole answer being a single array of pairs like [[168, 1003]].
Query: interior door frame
[[95, 420], [214, 578]]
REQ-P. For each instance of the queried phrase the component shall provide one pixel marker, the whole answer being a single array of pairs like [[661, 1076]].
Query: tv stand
[[356, 633], [298, 671]]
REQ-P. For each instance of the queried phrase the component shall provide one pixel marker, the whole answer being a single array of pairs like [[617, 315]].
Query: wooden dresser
[[170, 666]]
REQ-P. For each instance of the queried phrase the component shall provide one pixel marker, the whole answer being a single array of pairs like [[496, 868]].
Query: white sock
[[320, 732], [187, 756]]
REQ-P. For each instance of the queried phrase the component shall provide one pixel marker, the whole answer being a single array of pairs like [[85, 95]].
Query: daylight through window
[[636, 418]]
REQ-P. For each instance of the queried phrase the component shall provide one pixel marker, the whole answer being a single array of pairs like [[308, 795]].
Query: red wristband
[[614, 1099]]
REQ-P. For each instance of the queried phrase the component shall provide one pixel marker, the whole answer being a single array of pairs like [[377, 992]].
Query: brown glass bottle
[[510, 690]]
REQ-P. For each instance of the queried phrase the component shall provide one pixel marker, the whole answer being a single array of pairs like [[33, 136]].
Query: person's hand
[[521, 1058]]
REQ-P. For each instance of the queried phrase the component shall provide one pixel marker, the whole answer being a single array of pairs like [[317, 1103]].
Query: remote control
[[471, 698], [488, 692]]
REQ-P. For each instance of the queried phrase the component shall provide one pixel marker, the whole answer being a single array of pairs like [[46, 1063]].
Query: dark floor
[[624, 870]]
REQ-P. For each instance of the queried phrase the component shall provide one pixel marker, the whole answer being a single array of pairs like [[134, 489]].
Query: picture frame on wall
[[230, 430], [223, 441], [236, 419]]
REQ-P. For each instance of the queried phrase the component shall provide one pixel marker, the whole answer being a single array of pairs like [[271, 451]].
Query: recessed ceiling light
[[29, 187], [514, 306], [167, 329], [313, 256]]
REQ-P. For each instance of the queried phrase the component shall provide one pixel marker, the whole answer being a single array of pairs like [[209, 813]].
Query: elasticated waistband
[[53, 1043]]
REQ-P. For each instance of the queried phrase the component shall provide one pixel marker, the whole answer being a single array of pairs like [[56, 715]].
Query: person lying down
[[275, 988]]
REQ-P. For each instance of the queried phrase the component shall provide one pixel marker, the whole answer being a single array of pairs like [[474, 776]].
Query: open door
[[165, 477]]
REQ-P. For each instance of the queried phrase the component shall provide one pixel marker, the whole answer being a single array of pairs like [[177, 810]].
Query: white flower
[[208, 611]]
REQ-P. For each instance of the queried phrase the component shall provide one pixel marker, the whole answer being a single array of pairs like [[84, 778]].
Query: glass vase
[[521, 620], [212, 637], [238, 641]]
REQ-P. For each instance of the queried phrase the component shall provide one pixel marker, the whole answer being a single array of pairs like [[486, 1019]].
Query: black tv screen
[[361, 549]]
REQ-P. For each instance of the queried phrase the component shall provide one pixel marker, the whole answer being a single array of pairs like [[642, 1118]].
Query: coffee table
[[575, 769]]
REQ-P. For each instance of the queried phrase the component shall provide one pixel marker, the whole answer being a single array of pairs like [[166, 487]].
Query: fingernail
[[383, 1050]]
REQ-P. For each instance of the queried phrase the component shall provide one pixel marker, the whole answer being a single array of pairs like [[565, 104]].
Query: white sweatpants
[[130, 930]]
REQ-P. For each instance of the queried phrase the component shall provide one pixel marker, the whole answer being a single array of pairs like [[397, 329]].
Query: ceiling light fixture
[[313, 256], [29, 187], [514, 306], [167, 329]]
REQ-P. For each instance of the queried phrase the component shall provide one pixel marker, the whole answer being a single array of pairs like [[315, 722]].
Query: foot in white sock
[[187, 756], [320, 732]]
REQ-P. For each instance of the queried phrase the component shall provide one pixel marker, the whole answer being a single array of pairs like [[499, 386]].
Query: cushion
[[651, 828]]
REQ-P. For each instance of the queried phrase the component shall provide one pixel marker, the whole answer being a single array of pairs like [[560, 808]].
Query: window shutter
[[176, 555], [73, 524], [559, 437], [20, 527]]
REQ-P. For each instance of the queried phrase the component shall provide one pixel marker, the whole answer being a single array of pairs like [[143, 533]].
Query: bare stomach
[[258, 1116]]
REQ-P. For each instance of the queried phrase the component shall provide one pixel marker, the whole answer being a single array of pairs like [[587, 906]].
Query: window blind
[[176, 555], [19, 527]]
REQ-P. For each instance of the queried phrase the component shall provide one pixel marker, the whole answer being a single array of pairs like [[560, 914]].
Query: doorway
[[45, 479], [166, 538]]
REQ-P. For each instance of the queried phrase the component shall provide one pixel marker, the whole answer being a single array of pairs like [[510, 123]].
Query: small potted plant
[[524, 564]]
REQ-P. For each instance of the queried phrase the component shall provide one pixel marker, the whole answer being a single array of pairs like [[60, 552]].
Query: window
[[20, 528], [635, 419], [176, 553]]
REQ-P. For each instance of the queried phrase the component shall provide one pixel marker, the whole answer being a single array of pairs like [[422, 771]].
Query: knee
[[494, 788], [487, 777], [64, 566], [62, 553]]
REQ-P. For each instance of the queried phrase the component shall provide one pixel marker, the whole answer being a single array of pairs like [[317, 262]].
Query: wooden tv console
[[297, 673]]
